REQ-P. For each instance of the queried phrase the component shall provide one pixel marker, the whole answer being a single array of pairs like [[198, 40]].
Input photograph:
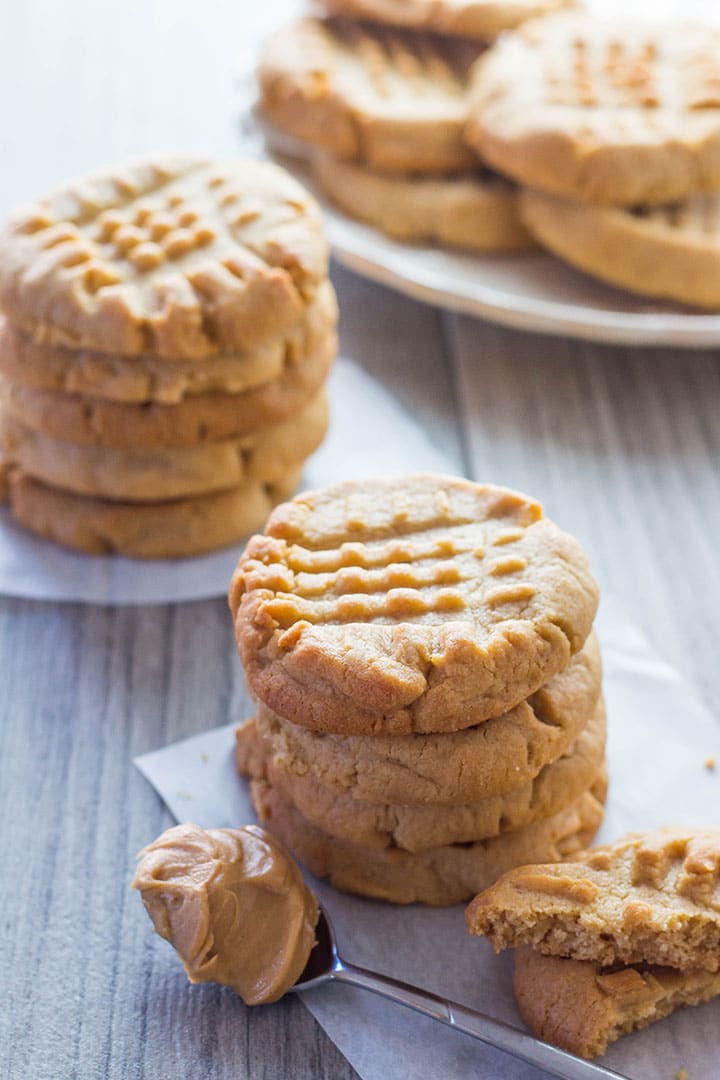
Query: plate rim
[[639, 329]]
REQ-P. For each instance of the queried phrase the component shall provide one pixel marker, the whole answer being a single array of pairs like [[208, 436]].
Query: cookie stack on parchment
[[168, 329], [428, 686], [381, 91]]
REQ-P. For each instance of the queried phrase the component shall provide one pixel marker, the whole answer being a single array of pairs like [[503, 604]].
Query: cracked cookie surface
[[418, 827], [583, 1007], [449, 768], [179, 258], [395, 100], [602, 110], [418, 604], [652, 897], [439, 876]]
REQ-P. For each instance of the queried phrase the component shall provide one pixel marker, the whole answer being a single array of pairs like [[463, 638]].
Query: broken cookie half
[[613, 941], [583, 1007]]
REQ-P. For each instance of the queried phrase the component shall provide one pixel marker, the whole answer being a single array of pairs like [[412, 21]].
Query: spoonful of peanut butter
[[235, 907], [233, 904]]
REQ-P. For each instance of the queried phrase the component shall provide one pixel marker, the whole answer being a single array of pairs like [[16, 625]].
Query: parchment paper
[[369, 435], [660, 738]]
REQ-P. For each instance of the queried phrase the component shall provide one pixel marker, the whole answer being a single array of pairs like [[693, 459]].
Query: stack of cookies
[[616, 127], [428, 686], [613, 941], [168, 329], [380, 90], [595, 138]]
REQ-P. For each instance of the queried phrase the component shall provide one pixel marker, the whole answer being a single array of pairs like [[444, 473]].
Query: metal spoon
[[326, 965]]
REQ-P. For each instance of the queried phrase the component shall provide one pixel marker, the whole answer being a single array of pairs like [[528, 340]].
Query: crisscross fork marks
[[609, 73], [173, 258], [397, 62], [640, 71], [431, 571]]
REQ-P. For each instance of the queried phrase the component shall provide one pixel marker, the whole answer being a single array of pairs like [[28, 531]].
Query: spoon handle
[[493, 1032]]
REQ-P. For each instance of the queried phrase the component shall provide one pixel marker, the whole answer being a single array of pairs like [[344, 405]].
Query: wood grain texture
[[623, 447], [88, 990]]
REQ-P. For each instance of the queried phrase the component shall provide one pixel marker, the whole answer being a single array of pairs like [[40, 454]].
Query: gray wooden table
[[622, 446]]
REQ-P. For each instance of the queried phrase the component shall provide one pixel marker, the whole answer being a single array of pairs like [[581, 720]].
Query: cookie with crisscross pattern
[[178, 258], [423, 603], [602, 110], [652, 898], [393, 99]]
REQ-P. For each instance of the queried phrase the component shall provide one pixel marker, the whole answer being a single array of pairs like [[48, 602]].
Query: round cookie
[[415, 604], [440, 876], [671, 252], [480, 19], [453, 768], [602, 110], [394, 100], [168, 530], [140, 379], [474, 211], [178, 257], [162, 475], [203, 418], [415, 828]]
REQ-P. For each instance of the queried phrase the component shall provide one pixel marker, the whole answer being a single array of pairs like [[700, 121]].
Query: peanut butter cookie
[[202, 418], [583, 1007], [160, 530], [140, 379], [450, 768], [671, 252], [266, 456], [395, 100], [473, 211], [420, 604], [178, 258], [602, 110], [439, 876], [650, 898], [416, 828]]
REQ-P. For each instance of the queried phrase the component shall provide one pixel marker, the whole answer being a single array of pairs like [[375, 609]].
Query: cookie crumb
[[204, 758], [681, 1074], [710, 764]]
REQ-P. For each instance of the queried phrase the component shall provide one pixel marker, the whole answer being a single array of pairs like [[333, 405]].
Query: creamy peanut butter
[[233, 904]]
